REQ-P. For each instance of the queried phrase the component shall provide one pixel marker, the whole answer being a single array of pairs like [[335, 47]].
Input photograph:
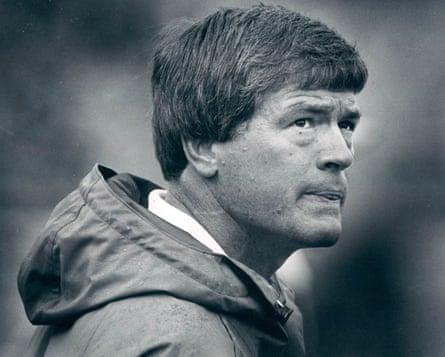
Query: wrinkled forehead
[[317, 101], [323, 101]]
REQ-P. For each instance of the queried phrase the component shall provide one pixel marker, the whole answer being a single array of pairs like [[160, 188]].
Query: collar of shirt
[[159, 206]]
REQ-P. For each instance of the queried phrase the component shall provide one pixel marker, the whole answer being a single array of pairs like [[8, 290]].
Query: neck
[[259, 251]]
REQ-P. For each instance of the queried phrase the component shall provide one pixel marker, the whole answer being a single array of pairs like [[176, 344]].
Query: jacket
[[108, 278]]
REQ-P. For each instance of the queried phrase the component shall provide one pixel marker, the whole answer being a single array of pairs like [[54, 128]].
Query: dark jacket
[[111, 279]]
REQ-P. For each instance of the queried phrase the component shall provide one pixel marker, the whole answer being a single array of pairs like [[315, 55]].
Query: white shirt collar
[[158, 206]]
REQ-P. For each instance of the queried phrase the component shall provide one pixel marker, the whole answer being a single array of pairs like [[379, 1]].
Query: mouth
[[328, 195]]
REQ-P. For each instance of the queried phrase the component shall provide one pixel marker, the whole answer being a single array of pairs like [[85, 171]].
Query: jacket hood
[[101, 244]]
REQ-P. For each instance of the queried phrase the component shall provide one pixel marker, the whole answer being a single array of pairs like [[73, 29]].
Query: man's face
[[284, 174]]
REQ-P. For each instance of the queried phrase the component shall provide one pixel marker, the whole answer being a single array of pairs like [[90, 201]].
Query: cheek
[[259, 168], [272, 170], [243, 177]]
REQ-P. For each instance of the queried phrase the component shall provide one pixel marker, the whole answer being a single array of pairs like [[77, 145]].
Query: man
[[254, 112]]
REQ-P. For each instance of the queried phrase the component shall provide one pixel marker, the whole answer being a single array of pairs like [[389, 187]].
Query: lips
[[331, 195]]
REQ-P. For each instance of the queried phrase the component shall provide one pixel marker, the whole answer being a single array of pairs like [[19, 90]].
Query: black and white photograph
[[222, 178]]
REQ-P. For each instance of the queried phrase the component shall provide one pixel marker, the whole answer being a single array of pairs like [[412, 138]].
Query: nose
[[336, 153]]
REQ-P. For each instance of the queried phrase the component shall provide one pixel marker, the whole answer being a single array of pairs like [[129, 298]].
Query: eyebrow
[[352, 113]]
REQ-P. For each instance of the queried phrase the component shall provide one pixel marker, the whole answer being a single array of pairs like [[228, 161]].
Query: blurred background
[[75, 90]]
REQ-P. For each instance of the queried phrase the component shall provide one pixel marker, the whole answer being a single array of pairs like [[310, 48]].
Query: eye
[[303, 122], [347, 125]]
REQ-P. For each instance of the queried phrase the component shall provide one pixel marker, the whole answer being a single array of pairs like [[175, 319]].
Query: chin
[[322, 238], [326, 241]]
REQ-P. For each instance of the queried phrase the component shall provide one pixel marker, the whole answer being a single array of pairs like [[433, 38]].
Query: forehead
[[314, 100]]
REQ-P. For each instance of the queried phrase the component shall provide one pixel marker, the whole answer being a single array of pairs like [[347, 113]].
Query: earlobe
[[201, 156]]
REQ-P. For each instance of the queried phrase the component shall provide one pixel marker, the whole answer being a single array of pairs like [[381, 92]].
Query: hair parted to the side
[[209, 75]]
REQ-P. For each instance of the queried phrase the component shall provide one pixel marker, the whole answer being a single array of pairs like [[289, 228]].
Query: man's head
[[211, 76], [256, 108]]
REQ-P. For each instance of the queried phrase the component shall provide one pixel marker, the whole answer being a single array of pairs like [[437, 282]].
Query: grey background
[[74, 90]]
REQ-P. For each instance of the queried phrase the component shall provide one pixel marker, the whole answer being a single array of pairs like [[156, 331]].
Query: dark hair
[[209, 77]]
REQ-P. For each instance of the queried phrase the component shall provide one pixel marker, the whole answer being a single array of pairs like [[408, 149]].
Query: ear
[[201, 156]]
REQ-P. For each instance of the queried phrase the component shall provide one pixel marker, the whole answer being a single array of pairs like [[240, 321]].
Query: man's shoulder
[[159, 311], [155, 325]]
